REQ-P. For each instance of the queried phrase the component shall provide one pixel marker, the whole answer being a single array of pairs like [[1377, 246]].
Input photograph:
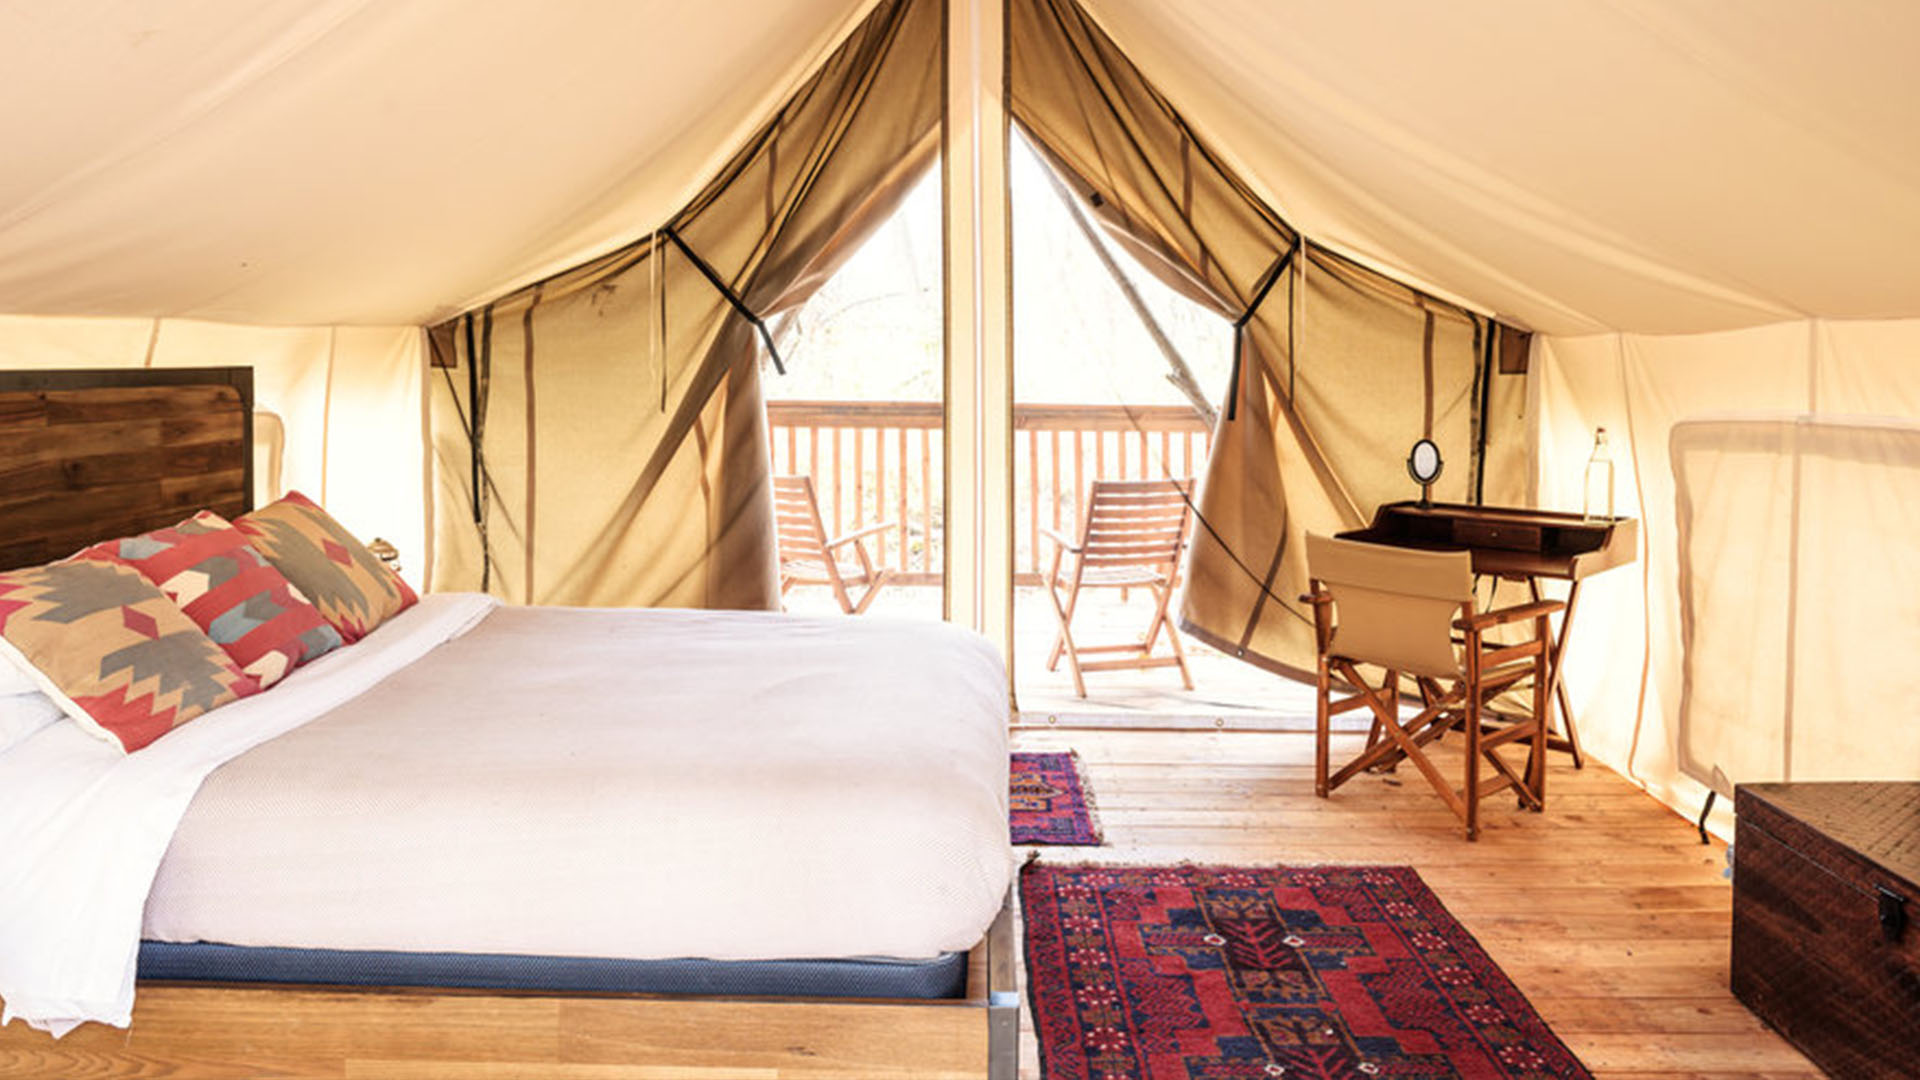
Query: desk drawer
[[1500, 535]]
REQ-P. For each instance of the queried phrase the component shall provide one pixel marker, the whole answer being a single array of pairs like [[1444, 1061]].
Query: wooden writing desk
[[1518, 545]]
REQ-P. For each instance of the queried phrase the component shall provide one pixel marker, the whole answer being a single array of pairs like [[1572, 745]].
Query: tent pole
[[979, 324], [1178, 373]]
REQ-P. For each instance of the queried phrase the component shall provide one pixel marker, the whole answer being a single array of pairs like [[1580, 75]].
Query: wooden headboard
[[87, 456]]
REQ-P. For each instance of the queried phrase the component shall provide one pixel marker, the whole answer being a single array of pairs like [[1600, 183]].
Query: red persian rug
[[1211, 972], [1051, 802]]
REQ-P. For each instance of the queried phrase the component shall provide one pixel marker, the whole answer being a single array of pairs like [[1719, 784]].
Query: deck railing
[[881, 461]]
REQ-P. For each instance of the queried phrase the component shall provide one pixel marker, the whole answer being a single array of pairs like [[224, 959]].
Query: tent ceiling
[[360, 161], [1634, 164], [1594, 164]]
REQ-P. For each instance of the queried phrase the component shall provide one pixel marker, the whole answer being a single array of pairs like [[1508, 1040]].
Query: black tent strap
[[480, 369], [732, 298], [473, 429], [1489, 330], [1267, 281]]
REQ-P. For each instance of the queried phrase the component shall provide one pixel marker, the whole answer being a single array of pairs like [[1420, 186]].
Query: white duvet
[[640, 785], [83, 826], [649, 784]]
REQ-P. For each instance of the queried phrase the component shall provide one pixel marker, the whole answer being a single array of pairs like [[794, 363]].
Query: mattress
[[941, 977], [628, 785]]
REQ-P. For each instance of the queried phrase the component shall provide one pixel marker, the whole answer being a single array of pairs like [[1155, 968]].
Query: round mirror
[[1424, 463]]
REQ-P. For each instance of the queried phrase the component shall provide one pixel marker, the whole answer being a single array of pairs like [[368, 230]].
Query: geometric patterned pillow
[[130, 665], [246, 606], [354, 591]]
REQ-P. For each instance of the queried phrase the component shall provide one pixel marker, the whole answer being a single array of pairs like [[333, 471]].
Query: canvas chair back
[[1135, 523], [1393, 606]]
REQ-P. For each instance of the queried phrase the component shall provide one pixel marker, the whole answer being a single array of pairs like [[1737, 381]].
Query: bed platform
[[112, 452], [213, 1032]]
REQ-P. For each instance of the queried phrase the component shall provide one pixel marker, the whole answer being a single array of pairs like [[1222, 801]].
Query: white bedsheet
[[83, 826], [629, 784]]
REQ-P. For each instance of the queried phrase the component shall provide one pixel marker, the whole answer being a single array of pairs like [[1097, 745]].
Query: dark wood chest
[[1826, 921]]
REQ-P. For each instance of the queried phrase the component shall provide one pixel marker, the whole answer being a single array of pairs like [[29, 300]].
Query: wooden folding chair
[[1131, 536], [1398, 609], [807, 557]]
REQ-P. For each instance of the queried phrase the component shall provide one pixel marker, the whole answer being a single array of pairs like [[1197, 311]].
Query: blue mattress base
[[942, 977]]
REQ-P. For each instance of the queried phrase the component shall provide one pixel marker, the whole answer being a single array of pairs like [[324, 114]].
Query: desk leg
[[1558, 692]]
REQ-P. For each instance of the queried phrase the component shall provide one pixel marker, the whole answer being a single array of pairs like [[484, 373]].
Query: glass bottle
[[1598, 502]]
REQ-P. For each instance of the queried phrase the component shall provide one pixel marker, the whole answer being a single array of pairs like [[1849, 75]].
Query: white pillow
[[22, 715]]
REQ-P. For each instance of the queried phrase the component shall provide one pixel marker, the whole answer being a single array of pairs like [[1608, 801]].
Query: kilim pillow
[[129, 665], [229, 590], [354, 591]]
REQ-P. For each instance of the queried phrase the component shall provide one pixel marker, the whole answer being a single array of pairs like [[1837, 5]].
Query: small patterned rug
[[1051, 801], [1211, 972]]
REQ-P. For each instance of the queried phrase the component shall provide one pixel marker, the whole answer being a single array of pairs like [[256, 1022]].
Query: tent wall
[[1766, 630], [1340, 368], [612, 416], [348, 401]]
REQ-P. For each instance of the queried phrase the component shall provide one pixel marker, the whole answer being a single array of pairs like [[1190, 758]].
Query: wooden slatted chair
[[1131, 537], [807, 557], [1399, 610]]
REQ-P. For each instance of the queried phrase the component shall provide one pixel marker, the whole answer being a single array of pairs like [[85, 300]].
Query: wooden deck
[[1606, 910], [1227, 692]]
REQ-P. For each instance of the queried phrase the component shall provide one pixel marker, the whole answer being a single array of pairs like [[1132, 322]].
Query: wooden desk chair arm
[[861, 534], [1519, 613], [1322, 602], [1059, 541]]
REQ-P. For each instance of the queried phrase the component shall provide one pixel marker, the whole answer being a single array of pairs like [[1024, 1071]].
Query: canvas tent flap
[[1340, 368], [1769, 619], [1819, 514], [611, 415]]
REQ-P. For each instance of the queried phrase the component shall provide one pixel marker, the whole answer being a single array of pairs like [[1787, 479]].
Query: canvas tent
[[1706, 214]]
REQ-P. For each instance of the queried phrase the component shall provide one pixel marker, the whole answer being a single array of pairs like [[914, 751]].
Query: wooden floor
[[1606, 910]]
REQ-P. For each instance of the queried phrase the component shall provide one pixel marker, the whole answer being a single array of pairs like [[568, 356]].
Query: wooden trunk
[[1826, 920]]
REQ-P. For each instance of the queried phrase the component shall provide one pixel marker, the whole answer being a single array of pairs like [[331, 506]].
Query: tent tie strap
[[732, 298], [1267, 282]]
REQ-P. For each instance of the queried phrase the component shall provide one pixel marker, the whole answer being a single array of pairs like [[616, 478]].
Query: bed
[[490, 840]]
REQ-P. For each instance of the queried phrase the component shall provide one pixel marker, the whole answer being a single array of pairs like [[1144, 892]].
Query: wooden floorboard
[[1606, 910]]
